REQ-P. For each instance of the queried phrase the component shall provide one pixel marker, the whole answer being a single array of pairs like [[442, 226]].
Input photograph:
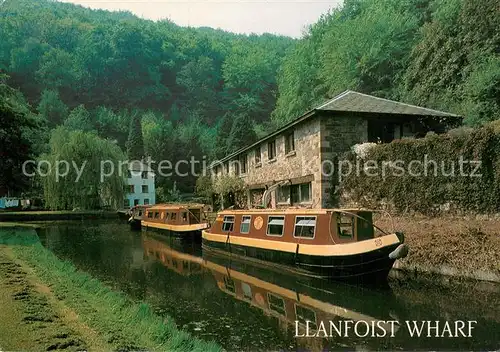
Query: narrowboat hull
[[135, 224], [365, 261], [183, 231]]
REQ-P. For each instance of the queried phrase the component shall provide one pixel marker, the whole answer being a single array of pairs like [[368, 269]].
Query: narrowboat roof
[[177, 206], [291, 211]]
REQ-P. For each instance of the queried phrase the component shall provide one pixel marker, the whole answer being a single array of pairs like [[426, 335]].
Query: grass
[[124, 324]]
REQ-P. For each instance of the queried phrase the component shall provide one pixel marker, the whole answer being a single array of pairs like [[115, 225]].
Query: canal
[[245, 307]]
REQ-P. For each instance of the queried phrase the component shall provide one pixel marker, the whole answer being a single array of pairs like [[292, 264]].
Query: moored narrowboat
[[178, 219], [326, 243]]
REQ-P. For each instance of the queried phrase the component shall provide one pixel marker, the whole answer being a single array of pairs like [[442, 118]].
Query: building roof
[[359, 102], [350, 101], [137, 165]]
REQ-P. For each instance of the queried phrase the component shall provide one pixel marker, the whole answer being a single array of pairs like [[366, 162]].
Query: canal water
[[245, 307]]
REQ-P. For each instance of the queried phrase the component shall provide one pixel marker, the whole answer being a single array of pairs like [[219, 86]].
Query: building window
[[345, 225], [275, 225], [289, 142], [226, 168], [228, 224], [126, 203], [131, 189], [243, 163], [144, 188], [144, 175], [301, 193], [245, 224], [129, 174], [146, 201], [276, 303], [304, 226], [257, 155], [136, 201], [284, 194], [271, 150], [236, 166]]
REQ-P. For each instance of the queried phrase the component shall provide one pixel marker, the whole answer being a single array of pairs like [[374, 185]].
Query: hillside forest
[[86, 83]]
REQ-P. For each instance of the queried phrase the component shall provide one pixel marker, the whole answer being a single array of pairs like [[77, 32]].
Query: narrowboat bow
[[327, 243], [137, 214]]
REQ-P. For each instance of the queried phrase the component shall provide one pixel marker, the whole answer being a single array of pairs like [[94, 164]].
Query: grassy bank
[[115, 321], [6, 216], [458, 246]]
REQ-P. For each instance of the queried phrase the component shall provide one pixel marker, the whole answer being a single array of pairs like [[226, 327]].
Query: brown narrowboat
[[180, 219], [137, 214], [326, 243]]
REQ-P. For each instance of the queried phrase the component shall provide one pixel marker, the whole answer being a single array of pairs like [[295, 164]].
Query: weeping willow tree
[[75, 172]]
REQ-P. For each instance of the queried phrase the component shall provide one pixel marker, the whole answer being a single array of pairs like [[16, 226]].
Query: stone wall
[[304, 161], [338, 135]]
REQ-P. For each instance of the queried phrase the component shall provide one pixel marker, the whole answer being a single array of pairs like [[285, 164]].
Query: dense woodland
[[169, 92]]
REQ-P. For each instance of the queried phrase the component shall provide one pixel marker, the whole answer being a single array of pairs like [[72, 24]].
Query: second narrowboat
[[326, 243], [178, 219]]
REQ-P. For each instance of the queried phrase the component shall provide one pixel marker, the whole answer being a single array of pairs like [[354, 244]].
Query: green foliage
[[436, 179], [17, 128], [79, 120], [52, 108], [84, 188], [204, 187], [135, 143]]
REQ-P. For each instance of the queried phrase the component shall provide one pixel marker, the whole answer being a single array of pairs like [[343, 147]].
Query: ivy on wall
[[457, 171]]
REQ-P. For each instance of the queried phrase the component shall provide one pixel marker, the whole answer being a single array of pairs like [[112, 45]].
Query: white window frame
[[297, 316], [269, 294], [315, 226], [267, 225], [249, 223], [229, 222]]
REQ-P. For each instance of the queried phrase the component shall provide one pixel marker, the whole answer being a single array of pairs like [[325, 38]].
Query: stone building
[[285, 167]]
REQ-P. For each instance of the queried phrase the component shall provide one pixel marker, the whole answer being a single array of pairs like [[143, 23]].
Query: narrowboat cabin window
[[245, 224], [275, 225], [157, 215], [345, 225], [304, 315], [167, 215], [305, 226], [229, 284], [247, 291], [276, 304], [174, 216], [184, 216], [150, 214], [228, 223]]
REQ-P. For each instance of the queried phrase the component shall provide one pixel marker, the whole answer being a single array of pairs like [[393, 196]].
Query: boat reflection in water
[[302, 306]]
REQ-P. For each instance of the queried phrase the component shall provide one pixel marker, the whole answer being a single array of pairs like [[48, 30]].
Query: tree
[[241, 135], [52, 108], [79, 119], [135, 144], [87, 181], [16, 121]]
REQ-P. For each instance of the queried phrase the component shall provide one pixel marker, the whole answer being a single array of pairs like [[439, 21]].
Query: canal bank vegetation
[[106, 319]]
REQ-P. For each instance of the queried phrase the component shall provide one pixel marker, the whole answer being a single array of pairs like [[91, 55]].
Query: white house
[[140, 185]]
